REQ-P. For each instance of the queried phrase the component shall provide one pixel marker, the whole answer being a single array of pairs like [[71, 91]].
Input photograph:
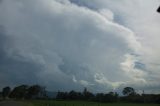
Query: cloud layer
[[101, 45]]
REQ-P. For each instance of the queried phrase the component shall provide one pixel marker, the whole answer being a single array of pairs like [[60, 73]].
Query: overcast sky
[[103, 45]]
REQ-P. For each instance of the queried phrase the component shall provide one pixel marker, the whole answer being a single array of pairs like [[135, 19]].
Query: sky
[[104, 45]]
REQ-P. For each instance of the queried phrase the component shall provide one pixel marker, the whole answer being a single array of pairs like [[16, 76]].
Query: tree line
[[129, 95], [88, 96], [24, 92], [39, 92]]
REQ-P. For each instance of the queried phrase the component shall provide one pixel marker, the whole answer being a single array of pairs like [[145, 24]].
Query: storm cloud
[[100, 45]]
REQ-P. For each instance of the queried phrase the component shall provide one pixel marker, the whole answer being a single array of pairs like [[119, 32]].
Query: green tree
[[73, 95], [19, 92], [128, 91], [36, 91], [87, 95], [6, 91], [62, 95]]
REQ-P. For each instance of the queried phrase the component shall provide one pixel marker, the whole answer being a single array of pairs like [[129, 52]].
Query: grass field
[[82, 103]]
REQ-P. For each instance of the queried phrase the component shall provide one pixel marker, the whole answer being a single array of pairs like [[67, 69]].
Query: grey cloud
[[57, 43], [141, 17]]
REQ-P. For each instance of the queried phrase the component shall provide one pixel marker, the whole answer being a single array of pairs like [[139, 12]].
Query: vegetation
[[37, 92], [83, 103], [5, 92], [128, 91], [130, 96], [24, 92]]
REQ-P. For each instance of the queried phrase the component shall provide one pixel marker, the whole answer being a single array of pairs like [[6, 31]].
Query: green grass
[[83, 103]]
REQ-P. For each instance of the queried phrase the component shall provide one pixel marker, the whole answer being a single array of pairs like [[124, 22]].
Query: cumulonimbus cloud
[[54, 39]]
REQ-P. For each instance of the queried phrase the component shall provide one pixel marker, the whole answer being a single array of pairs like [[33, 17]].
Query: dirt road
[[11, 103]]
